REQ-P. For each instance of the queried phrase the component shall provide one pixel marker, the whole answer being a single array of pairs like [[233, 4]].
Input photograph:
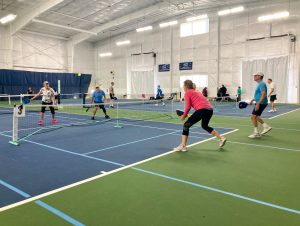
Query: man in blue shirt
[[261, 100], [97, 99], [159, 95]]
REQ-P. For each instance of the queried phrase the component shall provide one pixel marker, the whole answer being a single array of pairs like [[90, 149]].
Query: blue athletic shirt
[[159, 92], [98, 96], [258, 92]]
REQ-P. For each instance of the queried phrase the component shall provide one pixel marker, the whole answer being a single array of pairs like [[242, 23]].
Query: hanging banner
[[164, 67], [185, 66]]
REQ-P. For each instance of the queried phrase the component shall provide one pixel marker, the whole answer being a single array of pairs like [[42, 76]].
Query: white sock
[[265, 125], [255, 130]]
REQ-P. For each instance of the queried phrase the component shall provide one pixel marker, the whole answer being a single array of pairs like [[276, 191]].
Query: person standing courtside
[[272, 94], [111, 94], [260, 97], [48, 99], [239, 93]]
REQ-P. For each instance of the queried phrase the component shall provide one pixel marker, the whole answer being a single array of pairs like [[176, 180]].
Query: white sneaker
[[254, 135], [271, 110], [180, 148], [266, 130], [275, 109], [222, 142]]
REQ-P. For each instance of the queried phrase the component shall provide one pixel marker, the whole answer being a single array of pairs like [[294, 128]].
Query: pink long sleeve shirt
[[196, 100]]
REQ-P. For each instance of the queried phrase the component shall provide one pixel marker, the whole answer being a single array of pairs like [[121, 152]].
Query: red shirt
[[196, 100]]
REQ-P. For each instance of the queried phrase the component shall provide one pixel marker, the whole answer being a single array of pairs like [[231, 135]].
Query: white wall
[[84, 58], [203, 50]]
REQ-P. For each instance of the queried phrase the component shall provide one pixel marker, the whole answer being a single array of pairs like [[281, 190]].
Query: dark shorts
[[99, 104], [43, 109], [273, 98], [262, 107], [112, 96]]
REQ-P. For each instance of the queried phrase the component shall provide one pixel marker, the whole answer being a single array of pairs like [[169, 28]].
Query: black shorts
[[112, 96], [273, 98], [43, 109], [262, 107]]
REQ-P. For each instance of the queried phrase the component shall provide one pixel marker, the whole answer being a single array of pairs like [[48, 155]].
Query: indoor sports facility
[[150, 112]]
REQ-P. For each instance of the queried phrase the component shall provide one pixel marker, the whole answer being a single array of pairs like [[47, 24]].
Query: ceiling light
[[274, 16], [121, 43], [231, 11], [167, 24], [105, 54], [7, 18], [144, 29], [200, 17]]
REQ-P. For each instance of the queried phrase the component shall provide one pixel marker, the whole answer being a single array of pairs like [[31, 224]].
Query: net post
[[15, 136], [118, 125]]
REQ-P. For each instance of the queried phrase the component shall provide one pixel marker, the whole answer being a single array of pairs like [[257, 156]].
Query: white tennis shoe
[[266, 130], [254, 135], [222, 142], [180, 148]]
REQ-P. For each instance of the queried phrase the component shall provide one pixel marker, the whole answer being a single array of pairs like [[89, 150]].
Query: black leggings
[[43, 109], [202, 114]]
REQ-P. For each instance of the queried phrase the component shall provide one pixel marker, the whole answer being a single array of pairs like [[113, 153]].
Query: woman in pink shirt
[[203, 111]]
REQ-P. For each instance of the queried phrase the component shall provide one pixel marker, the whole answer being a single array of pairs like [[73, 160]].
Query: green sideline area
[[169, 190]]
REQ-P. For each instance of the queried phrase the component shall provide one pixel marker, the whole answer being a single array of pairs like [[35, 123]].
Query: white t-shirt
[[273, 86], [47, 94]]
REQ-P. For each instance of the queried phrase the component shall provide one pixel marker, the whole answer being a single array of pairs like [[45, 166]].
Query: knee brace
[[186, 128]]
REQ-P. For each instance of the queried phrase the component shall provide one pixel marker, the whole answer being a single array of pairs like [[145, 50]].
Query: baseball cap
[[46, 82], [259, 73]]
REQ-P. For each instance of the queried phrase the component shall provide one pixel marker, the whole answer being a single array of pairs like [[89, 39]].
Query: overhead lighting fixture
[[144, 29], [231, 11], [121, 43], [274, 16], [167, 24], [105, 54], [200, 17], [8, 18]]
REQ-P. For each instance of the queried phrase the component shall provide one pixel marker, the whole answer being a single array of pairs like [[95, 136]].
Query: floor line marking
[[42, 204], [284, 113], [132, 142], [98, 176], [219, 191], [256, 145]]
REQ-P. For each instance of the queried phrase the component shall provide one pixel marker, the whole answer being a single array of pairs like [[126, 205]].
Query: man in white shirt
[[272, 94]]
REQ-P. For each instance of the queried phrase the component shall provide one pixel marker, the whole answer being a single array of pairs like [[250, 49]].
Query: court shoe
[[107, 117], [180, 148], [40, 122], [271, 111], [222, 142], [254, 135], [93, 118], [266, 130], [54, 121]]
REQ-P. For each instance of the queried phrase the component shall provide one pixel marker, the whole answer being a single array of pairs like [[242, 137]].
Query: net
[[27, 124], [227, 103]]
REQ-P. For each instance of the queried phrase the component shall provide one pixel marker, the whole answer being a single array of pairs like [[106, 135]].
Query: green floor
[[267, 170]]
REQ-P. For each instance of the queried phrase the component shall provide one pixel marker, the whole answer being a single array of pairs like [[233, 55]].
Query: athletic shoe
[[254, 135], [271, 110], [275, 109], [54, 121], [180, 148], [112, 106], [164, 104], [156, 104], [222, 142], [266, 130], [107, 117], [40, 122], [93, 118]]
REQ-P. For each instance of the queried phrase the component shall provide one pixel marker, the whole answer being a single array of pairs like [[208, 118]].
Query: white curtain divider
[[274, 68]]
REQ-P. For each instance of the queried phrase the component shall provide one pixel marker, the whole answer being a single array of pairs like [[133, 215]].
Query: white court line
[[284, 113], [243, 125], [256, 145], [97, 177]]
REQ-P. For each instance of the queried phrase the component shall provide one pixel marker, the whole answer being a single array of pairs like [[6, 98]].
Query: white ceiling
[[88, 14]]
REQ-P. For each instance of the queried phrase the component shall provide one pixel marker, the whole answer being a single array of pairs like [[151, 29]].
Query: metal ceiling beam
[[24, 19], [45, 35], [63, 26], [117, 22]]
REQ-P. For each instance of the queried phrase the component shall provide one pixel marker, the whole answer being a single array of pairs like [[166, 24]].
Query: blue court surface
[[58, 158]]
